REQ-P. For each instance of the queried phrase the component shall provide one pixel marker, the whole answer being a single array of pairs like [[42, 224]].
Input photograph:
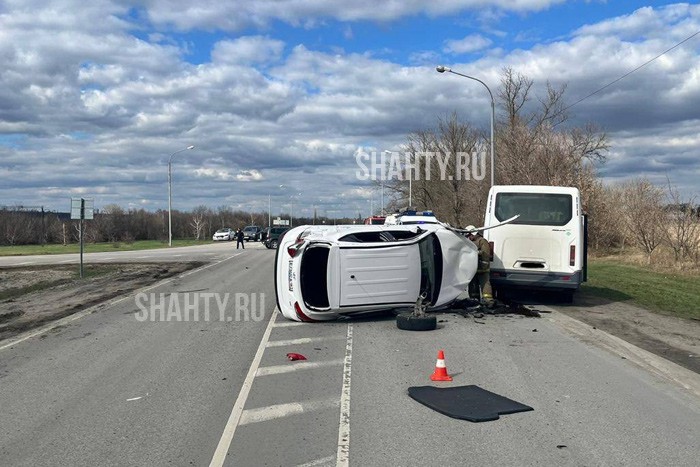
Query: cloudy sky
[[95, 96]]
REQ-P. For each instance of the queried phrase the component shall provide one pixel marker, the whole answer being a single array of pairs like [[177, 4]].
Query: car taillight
[[572, 255], [293, 249], [490, 251], [301, 315]]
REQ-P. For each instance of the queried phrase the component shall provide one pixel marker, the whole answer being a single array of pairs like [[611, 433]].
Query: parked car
[[323, 272], [225, 235], [252, 232], [272, 236]]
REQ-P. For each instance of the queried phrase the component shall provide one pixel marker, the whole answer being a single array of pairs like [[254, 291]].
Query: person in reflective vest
[[483, 269]]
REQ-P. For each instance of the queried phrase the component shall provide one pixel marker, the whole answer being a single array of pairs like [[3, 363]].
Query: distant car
[[272, 236], [225, 235], [375, 220], [252, 232], [324, 272]]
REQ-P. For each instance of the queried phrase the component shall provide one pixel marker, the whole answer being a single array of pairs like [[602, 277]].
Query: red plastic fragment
[[295, 356]]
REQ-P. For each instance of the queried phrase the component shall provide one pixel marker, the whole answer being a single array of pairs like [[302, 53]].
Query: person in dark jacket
[[484, 267], [239, 239]]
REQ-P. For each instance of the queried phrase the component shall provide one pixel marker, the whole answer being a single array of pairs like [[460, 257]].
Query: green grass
[[21, 250], [667, 293]]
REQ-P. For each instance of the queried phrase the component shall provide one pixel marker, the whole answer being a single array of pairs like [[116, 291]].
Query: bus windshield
[[534, 208]]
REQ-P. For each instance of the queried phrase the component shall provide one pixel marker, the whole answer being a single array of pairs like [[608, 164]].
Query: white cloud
[[469, 44]]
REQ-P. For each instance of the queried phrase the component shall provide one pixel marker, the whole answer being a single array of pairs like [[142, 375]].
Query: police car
[[412, 217]]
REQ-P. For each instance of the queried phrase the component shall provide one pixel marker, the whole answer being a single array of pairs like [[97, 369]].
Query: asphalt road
[[112, 389], [210, 252]]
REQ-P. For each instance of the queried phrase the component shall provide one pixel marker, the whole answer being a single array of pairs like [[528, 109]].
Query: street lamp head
[[442, 69]]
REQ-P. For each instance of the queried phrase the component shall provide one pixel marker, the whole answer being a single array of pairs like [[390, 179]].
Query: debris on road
[[295, 356], [472, 308]]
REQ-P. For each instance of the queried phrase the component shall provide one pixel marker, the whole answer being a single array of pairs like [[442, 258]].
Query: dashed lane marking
[[279, 369], [301, 340], [343, 454], [289, 324], [330, 460], [273, 412]]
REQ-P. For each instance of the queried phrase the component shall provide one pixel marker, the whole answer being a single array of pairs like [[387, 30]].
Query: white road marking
[[235, 417], [273, 412], [26, 262], [343, 455], [292, 367], [302, 340], [134, 399], [325, 461], [207, 266], [289, 324]]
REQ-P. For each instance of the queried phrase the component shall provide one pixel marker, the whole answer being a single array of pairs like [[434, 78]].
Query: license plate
[[290, 275]]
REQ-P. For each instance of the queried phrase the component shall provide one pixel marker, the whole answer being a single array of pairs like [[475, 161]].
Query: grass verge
[[662, 292], [89, 271], [21, 250]]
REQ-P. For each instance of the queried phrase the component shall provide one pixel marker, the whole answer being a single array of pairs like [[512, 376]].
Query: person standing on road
[[484, 268], [239, 239]]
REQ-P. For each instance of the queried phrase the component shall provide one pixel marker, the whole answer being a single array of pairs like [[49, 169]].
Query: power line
[[632, 71]]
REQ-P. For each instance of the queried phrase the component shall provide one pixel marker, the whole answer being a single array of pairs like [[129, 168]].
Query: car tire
[[411, 322], [273, 244]]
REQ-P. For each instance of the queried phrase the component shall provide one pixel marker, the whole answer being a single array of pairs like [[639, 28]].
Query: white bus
[[545, 248]]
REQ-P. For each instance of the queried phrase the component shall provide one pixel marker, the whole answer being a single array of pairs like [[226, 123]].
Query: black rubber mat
[[466, 402]]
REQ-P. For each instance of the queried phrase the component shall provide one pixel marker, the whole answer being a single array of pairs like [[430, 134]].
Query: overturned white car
[[323, 272]]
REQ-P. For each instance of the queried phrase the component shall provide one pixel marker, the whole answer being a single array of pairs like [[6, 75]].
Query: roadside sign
[[76, 204], [81, 209], [279, 221]]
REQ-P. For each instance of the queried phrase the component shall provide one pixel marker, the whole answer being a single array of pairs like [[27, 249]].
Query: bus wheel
[[567, 296]]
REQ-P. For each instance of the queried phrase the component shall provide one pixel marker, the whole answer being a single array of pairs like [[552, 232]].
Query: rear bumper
[[536, 280]]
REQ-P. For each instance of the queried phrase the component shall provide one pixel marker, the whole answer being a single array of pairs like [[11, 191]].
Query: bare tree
[[604, 207], [644, 215], [683, 232], [532, 150], [199, 218]]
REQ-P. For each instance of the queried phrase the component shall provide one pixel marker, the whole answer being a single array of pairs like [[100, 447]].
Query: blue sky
[[94, 97]]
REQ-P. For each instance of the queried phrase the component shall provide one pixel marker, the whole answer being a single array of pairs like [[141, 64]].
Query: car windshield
[[250, 229], [221, 231], [430, 267]]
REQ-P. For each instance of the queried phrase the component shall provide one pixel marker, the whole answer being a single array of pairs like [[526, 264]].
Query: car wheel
[[273, 244], [411, 322]]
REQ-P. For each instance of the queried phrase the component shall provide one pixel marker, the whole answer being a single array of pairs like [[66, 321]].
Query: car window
[[380, 236]]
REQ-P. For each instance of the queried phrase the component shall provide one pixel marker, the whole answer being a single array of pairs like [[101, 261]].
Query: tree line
[[21, 226]]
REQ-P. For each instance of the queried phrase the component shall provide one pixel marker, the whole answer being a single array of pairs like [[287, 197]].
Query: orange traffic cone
[[440, 373]]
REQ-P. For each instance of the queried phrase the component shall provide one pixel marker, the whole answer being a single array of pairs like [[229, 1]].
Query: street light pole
[[170, 194], [442, 69]]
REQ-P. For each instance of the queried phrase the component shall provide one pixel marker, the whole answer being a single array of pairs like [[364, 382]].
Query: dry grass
[[662, 260]]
